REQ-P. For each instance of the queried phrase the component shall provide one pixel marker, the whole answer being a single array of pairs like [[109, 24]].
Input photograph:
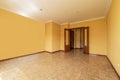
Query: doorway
[[77, 38], [67, 40], [71, 39]]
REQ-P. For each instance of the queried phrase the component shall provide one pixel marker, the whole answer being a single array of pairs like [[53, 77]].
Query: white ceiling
[[60, 11]]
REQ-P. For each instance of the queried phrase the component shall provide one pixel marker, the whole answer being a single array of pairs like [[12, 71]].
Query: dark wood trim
[[113, 67], [65, 40], [110, 64], [77, 28], [67, 29], [22, 56], [97, 54], [55, 51], [72, 39], [86, 48], [83, 29], [88, 37], [31, 54], [81, 37]]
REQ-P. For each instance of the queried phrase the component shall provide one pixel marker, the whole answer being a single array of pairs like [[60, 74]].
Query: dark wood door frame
[[71, 39], [86, 48], [66, 47]]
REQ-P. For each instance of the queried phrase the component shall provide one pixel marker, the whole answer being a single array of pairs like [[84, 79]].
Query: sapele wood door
[[86, 40], [71, 39], [67, 40]]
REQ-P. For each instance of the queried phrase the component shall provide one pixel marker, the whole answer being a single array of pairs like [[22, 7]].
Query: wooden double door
[[84, 39]]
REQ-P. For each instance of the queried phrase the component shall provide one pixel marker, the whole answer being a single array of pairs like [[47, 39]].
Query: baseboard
[[110, 64], [55, 51], [32, 54], [97, 54], [113, 67], [21, 56]]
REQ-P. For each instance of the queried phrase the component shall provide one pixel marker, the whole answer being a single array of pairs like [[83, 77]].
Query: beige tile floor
[[58, 66]]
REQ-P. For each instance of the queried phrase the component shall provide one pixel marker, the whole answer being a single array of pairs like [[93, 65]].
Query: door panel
[[71, 39], [86, 40], [67, 40]]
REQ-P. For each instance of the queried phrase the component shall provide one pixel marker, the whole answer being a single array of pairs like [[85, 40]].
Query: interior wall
[[48, 36], [113, 21], [19, 35], [98, 35], [56, 37], [52, 37]]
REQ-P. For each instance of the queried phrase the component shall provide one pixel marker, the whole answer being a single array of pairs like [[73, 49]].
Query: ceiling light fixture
[[41, 9]]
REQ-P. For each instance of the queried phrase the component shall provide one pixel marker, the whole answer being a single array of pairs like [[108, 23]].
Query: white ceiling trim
[[49, 21], [52, 21], [88, 20], [64, 23], [108, 8], [80, 21]]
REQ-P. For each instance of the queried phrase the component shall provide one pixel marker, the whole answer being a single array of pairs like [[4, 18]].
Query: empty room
[[59, 39]]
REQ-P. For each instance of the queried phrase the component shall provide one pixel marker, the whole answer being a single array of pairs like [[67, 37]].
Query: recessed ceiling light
[[41, 9]]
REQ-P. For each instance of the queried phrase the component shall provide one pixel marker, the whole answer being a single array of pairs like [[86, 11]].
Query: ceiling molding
[[52, 21], [108, 7], [64, 23], [77, 21], [49, 21], [88, 20]]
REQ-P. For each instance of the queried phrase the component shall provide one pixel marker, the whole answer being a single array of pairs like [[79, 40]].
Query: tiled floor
[[58, 66]]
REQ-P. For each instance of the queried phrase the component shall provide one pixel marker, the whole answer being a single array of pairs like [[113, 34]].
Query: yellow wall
[[36, 37], [98, 35], [52, 37], [56, 37], [48, 37], [114, 34], [20, 35]]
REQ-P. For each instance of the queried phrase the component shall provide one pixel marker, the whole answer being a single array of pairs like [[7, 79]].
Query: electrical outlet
[[118, 65]]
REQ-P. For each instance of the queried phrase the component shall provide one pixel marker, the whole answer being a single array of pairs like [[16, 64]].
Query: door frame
[[66, 47], [88, 38], [86, 48], [71, 39]]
